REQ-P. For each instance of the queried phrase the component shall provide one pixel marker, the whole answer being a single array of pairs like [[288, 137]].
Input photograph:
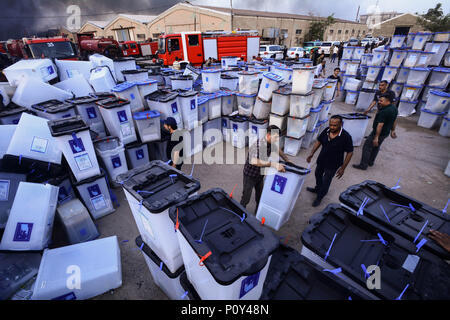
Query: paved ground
[[418, 156]]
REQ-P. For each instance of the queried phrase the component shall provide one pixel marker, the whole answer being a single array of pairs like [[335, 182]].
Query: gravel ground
[[418, 156]]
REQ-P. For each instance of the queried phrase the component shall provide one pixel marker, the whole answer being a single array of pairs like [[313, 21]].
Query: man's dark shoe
[[317, 202], [358, 166], [313, 190], [371, 164]]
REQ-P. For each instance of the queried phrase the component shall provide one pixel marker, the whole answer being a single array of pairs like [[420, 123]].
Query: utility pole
[[231, 5], [357, 14]]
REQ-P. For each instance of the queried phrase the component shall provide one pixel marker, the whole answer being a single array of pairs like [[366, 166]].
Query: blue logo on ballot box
[[279, 183], [94, 191], [116, 162], [23, 232], [140, 154], [76, 145], [248, 284], [174, 107], [92, 114], [122, 116]]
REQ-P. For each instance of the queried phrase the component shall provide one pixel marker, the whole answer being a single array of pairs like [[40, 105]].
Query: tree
[[434, 20], [317, 28]]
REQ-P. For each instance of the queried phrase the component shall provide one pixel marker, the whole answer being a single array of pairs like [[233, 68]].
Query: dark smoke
[[24, 18]]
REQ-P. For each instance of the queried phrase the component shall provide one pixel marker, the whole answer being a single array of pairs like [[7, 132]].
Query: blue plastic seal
[[123, 86], [273, 76], [146, 82], [146, 115], [440, 69], [435, 113], [440, 93]]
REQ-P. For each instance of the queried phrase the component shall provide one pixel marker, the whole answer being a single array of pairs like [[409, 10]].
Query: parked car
[[271, 51], [326, 47], [336, 43], [353, 42], [365, 41], [368, 41], [294, 50], [311, 44]]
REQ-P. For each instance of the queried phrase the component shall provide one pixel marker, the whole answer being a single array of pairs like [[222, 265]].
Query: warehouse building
[[124, 27], [96, 27], [274, 27], [402, 24], [377, 17]]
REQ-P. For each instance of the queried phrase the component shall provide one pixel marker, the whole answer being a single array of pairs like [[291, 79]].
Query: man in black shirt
[[335, 141], [383, 124], [175, 142], [340, 52], [336, 76], [383, 89]]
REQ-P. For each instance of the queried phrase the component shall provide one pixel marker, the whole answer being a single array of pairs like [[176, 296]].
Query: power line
[[85, 15]]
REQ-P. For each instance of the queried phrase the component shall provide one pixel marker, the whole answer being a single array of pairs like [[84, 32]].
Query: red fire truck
[[141, 49], [3, 47], [196, 47], [58, 47], [88, 44]]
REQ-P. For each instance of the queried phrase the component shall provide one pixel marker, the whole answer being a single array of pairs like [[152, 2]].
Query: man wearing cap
[[175, 146], [383, 89], [383, 124]]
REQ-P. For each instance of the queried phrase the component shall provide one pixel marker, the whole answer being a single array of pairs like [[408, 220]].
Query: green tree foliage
[[317, 28], [435, 20]]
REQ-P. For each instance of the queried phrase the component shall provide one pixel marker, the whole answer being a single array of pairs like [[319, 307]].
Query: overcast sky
[[24, 17]]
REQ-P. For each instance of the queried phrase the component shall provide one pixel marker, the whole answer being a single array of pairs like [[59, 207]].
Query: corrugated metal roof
[[139, 18], [244, 12], [100, 24], [394, 18]]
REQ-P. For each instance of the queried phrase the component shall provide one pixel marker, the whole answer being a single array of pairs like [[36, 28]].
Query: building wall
[[190, 18], [387, 28], [71, 35], [382, 16], [344, 31], [292, 25], [182, 18], [136, 28], [261, 23]]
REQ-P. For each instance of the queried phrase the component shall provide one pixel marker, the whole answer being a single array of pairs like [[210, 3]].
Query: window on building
[[193, 40], [110, 37], [298, 31], [331, 31], [353, 31], [346, 31], [284, 33], [140, 36], [339, 31], [156, 35], [364, 31], [123, 35]]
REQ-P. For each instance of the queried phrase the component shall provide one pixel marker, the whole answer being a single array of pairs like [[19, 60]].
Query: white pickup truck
[[271, 51]]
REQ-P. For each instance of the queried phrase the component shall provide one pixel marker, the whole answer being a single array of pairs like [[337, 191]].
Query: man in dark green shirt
[[383, 124]]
